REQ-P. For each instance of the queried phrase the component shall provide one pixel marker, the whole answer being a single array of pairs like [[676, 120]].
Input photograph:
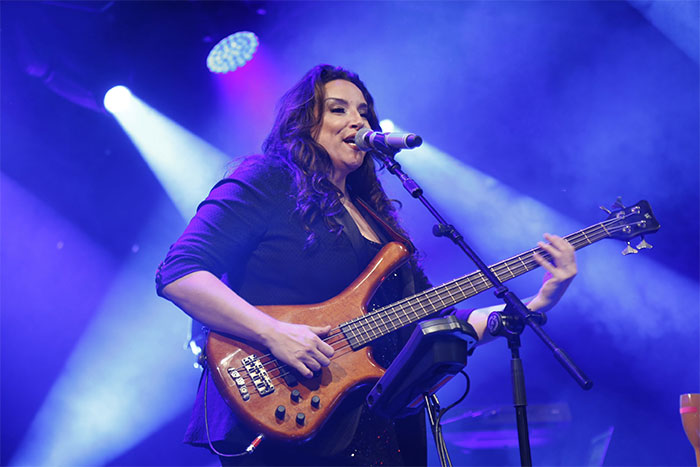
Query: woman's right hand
[[208, 300], [299, 346]]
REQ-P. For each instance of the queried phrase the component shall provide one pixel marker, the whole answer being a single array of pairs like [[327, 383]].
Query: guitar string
[[498, 269], [281, 369], [578, 239], [439, 292]]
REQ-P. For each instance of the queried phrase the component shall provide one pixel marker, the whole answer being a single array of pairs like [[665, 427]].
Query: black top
[[246, 234]]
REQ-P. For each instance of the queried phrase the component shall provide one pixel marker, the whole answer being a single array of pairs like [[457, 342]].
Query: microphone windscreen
[[360, 140], [413, 141]]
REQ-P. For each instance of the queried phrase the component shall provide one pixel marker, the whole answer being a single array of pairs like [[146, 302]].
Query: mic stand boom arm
[[509, 323]]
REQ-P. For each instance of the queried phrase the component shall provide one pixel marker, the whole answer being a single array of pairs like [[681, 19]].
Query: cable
[[253, 444], [437, 429]]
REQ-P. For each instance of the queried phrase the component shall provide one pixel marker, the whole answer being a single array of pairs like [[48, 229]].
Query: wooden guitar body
[[348, 369]]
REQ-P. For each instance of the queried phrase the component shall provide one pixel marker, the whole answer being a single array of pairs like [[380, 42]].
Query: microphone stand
[[508, 323]]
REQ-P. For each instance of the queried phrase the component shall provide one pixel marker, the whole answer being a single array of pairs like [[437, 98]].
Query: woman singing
[[293, 226]]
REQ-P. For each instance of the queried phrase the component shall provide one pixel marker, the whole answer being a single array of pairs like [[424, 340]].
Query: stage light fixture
[[232, 52], [117, 99]]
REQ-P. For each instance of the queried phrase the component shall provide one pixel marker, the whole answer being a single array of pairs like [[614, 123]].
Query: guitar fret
[[412, 309], [367, 331], [523, 263], [442, 302], [356, 334], [360, 337], [483, 284], [384, 324], [366, 335], [585, 236], [445, 302], [451, 296], [349, 333], [409, 311], [394, 326], [470, 286], [511, 272], [397, 317], [502, 276]]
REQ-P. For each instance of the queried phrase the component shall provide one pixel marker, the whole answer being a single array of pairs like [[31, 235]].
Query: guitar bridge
[[258, 374]]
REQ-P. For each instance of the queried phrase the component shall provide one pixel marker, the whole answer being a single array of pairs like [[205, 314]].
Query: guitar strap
[[351, 230], [397, 237], [385, 232]]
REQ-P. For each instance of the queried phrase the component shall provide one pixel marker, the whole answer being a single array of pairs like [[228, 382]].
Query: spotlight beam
[[185, 165]]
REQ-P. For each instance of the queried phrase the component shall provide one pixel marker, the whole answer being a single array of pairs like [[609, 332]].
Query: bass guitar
[[267, 396]]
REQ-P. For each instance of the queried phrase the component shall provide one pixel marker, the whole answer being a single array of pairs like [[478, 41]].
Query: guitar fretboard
[[367, 328]]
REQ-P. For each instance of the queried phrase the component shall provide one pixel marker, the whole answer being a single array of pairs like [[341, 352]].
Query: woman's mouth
[[350, 141]]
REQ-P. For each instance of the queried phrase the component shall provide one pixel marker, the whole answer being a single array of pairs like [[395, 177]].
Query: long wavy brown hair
[[299, 115]]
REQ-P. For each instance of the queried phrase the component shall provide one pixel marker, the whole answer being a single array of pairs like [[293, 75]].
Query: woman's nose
[[358, 120]]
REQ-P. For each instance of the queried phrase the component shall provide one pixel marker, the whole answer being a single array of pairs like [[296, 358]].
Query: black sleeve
[[228, 224]]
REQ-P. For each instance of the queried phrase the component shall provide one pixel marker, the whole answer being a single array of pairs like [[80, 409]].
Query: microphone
[[367, 139]]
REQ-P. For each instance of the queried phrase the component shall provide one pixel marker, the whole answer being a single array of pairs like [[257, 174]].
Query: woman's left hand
[[560, 271]]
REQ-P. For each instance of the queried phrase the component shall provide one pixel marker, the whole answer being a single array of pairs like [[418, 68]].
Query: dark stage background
[[533, 113]]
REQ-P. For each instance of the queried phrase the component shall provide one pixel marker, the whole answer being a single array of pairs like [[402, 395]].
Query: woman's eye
[[365, 116], [338, 110]]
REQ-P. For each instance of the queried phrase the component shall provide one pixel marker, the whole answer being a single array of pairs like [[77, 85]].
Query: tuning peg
[[605, 209], [629, 250], [643, 245], [618, 203]]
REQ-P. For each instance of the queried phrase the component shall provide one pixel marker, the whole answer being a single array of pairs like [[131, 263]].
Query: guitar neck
[[367, 328]]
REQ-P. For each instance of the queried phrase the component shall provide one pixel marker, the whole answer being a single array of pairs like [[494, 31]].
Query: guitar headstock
[[629, 222]]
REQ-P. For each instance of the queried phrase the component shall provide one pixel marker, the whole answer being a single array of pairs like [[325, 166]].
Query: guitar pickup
[[290, 379]]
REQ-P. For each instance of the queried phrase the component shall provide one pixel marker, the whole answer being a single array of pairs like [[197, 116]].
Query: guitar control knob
[[301, 418], [295, 395], [315, 402], [279, 413]]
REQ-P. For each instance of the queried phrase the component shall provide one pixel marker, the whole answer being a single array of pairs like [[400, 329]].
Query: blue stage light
[[232, 52], [117, 99]]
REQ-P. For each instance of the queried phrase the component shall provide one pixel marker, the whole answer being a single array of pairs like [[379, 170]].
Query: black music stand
[[435, 352]]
